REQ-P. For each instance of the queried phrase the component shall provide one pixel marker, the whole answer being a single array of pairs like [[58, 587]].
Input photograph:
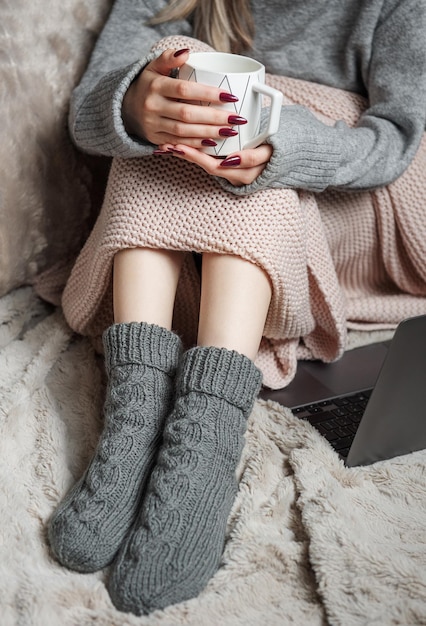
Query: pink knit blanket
[[336, 260]]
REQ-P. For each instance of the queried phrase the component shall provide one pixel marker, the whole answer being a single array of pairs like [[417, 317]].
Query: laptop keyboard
[[336, 419]]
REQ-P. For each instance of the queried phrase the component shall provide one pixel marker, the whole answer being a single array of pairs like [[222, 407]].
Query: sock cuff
[[143, 344], [223, 373]]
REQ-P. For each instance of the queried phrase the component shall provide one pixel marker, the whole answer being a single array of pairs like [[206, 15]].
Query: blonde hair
[[226, 25]]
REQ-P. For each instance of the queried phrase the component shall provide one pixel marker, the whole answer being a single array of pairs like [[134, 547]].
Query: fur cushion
[[49, 192]]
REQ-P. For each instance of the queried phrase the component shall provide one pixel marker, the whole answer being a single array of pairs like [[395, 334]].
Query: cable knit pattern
[[335, 259], [89, 525], [176, 544]]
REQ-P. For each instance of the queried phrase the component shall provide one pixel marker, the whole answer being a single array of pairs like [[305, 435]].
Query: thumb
[[170, 60]]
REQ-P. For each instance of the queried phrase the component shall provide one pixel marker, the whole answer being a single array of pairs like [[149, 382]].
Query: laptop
[[371, 404]]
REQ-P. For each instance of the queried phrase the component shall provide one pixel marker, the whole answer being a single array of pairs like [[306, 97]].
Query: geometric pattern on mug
[[225, 83]]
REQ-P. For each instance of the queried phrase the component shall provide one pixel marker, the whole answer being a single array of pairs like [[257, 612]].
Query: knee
[[181, 41]]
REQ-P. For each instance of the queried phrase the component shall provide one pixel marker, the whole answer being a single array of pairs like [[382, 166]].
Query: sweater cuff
[[306, 155], [97, 126]]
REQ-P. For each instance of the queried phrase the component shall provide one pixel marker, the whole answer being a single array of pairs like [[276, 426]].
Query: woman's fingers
[[189, 91], [164, 109], [192, 127], [240, 168], [247, 159], [189, 123], [168, 60], [196, 93]]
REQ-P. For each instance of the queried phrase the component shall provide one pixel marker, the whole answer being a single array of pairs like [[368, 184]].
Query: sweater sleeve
[[308, 154], [120, 54]]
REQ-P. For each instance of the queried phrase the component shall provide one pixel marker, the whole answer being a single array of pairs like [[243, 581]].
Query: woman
[[156, 497]]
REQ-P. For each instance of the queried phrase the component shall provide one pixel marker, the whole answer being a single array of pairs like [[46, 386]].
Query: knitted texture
[[177, 541], [334, 259], [88, 527]]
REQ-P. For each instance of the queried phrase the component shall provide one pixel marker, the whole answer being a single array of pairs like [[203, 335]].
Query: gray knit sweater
[[376, 48]]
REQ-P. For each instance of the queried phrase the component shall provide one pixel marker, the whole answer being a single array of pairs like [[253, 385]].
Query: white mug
[[244, 78]]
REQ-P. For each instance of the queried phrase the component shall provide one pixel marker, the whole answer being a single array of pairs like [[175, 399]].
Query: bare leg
[[145, 282], [163, 560], [235, 298]]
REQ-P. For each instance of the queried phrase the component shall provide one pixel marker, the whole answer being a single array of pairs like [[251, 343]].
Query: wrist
[[129, 112]]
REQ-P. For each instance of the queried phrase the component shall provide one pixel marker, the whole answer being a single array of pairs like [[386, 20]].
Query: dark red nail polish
[[237, 120], [179, 52], [231, 161], [228, 132], [209, 142], [175, 151], [227, 97]]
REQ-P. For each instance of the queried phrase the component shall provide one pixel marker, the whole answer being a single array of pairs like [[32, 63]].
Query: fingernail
[[209, 142], [227, 97], [236, 120], [161, 152], [228, 132], [179, 52], [175, 151], [231, 161]]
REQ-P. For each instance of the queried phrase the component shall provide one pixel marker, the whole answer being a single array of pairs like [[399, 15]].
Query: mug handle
[[274, 114]]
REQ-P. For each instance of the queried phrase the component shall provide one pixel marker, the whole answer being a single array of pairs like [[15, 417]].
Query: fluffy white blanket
[[310, 542]]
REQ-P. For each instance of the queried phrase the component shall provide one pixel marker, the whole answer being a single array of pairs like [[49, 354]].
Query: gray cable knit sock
[[176, 543], [89, 525]]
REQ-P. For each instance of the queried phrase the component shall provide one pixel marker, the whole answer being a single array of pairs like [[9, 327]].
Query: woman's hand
[[166, 111], [163, 110], [239, 168]]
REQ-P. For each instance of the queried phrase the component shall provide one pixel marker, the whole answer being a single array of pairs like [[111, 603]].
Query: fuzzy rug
[[310, 542], [49, 191]]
